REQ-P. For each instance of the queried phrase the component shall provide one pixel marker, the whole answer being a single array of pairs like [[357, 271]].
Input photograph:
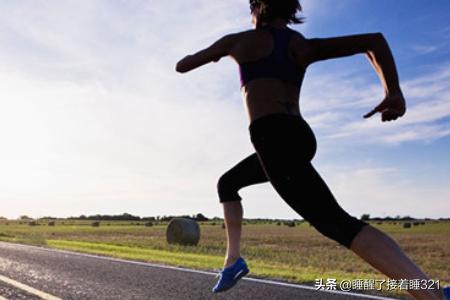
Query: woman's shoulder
[[240, 36], [254, 34], [246, 33], [297, 34]]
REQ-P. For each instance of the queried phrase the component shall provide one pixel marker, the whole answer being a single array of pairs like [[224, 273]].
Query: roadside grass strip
[[136, 253]]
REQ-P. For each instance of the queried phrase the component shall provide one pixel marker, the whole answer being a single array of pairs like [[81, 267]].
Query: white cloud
[[426, 119], [425, 49], [107, 121]]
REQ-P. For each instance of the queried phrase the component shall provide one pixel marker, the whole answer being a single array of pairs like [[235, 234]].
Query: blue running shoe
[[446, 291], [229, 276]]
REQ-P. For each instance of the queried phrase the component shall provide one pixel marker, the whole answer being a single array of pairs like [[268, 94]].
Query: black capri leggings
[[285, 146]]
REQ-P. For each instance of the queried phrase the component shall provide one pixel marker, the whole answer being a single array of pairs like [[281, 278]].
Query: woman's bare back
[[265, 96]]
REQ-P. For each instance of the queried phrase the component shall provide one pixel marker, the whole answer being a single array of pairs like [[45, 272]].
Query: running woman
[[272, 61]]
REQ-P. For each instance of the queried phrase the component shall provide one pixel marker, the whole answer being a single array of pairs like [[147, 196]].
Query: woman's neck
[[278, 23]]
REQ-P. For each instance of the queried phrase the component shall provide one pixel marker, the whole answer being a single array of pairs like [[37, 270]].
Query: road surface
[[29, 272]]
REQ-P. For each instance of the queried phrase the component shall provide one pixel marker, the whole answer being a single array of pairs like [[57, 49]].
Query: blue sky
[[94, 119]]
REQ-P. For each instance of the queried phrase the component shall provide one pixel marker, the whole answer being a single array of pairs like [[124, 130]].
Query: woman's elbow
[[377, 40], [378, 35]]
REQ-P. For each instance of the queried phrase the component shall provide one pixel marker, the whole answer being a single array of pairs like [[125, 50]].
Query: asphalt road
[[28, 272]]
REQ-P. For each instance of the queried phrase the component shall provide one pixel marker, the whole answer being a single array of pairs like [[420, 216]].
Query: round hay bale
[[183, 231], [95, 224], [406, 225]]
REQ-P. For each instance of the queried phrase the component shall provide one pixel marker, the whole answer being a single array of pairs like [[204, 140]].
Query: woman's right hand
[[391, 108]]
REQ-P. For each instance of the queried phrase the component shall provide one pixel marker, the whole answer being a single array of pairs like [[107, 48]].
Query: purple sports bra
[[277, 64]]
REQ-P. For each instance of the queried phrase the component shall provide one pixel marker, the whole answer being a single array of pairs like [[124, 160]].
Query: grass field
[[296, 254]]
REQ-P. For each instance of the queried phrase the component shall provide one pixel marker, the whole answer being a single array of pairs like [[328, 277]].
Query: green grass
[[191, 260], [297, 254]]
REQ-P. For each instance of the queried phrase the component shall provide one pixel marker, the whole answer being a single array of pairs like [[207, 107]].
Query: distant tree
[[128, 217], [365, 217], [24, 217], [47, 218], [122, 217], [200, 217]]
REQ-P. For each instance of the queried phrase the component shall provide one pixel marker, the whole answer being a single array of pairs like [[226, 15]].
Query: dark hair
[[273, 9]]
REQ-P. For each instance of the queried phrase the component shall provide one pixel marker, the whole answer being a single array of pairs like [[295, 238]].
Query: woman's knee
[[227, 189], [343, 230]]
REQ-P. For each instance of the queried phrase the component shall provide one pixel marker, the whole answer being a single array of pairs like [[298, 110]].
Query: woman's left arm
[[380, 56], [214, 53]]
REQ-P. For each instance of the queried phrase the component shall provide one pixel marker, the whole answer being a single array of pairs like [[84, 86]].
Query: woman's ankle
[[230, 260]]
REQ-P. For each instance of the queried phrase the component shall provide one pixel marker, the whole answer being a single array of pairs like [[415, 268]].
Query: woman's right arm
[[376, 48], [213, 53]]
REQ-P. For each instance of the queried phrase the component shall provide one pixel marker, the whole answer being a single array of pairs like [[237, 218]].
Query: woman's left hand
[[391, 108]]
